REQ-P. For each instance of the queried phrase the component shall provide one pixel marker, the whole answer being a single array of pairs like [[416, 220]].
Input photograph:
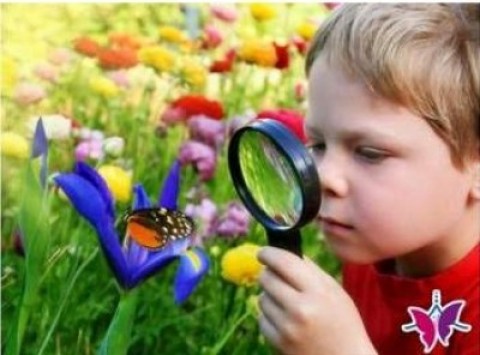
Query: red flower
[[119, 58], [331, 5], [86, 46], [224, 65], [199, 105], [283, 59], [292, 119], [300, 44]]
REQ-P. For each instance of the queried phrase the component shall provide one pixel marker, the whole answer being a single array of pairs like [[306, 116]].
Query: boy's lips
[[334, 226]]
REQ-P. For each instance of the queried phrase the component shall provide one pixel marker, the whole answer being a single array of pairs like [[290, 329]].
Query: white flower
[[56, 126], [113, 146]]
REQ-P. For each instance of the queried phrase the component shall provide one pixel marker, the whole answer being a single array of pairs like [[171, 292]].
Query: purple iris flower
[[207, 130], [133, 263], [234, 222], [201, 156]]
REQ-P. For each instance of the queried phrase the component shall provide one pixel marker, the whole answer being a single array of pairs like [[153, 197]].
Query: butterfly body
[[156, 227]]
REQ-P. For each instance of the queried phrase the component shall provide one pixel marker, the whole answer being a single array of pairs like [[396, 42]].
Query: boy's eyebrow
[[351, 135], [354, 135], [310, 129]]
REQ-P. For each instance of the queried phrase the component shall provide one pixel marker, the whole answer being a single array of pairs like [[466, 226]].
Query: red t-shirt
[[383, 300]]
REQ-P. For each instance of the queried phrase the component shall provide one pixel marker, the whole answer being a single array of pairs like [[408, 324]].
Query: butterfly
[[156, 227], [436, 329]]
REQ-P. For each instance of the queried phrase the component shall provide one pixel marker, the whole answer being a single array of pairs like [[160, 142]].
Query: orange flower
[[123, 40], [117, 58], [258, 52], [86, 46]]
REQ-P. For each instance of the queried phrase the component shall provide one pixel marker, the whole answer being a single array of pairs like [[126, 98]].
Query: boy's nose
[[332, 176]]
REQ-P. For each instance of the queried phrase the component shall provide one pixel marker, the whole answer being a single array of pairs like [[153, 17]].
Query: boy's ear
[[476, 181]]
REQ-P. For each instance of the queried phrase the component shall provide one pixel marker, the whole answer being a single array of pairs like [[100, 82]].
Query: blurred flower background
[[128, 90]]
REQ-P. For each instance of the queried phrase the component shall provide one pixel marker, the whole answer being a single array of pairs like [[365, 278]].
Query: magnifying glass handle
[[290, 240]]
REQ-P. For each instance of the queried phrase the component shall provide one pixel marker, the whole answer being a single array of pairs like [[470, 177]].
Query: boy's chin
[[352, 255]]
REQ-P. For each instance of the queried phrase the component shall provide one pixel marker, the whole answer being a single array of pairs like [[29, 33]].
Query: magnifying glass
[[276, 179]]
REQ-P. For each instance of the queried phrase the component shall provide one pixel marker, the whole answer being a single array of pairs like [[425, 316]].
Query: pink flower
[[234, 222], [47, 72], [212, 37], [89, 149], [27, 93], [205, 216], [207, 130], [201, 156], [60, 56], [300, 91], [239, 121], [224, 13], [120, 78], [173, 115]]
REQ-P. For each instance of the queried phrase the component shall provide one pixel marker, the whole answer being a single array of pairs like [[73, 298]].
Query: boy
[[393, 123]]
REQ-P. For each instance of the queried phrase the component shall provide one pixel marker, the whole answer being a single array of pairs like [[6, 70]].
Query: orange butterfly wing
[[144, 236]]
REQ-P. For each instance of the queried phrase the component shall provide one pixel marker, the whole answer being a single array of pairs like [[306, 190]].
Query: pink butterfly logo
[[437, 323]]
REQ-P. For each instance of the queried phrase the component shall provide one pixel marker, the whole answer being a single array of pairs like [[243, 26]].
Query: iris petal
[[169, 195], [193, 265], [40, 142], [136, 254], [89, 204], [40, 148], [153, 264], [84, 196], [141, 199], [114, 254], [91, 175]]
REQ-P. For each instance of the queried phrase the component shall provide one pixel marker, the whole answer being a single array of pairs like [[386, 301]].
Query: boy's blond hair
[[422, 56]]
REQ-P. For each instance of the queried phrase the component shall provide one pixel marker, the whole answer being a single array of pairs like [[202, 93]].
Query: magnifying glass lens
[[270, 178]]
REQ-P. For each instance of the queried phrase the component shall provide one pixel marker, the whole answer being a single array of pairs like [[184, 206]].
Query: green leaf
[[33, 223]]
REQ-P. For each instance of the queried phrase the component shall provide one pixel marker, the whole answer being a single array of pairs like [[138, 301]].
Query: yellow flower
[[263, 12], [258, 52], [194, 73], [241, 266], [9, 74], [307, 30], [118, 181], [14, 145], [104, 86], [172, 34], [157, 57]]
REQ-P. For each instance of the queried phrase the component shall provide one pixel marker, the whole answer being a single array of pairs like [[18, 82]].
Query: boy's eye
[[371, 155], [316, 149]]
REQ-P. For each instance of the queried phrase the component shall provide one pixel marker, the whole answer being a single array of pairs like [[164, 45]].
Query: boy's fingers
[[284, 264], [271, 310], [301, 274], [318, 270], [276, 288], [269, 330]]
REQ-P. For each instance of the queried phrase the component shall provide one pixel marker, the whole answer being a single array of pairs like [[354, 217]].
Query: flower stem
[[117, 339]]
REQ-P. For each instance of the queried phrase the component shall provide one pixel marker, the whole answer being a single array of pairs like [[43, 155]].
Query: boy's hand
[[305, 311]]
